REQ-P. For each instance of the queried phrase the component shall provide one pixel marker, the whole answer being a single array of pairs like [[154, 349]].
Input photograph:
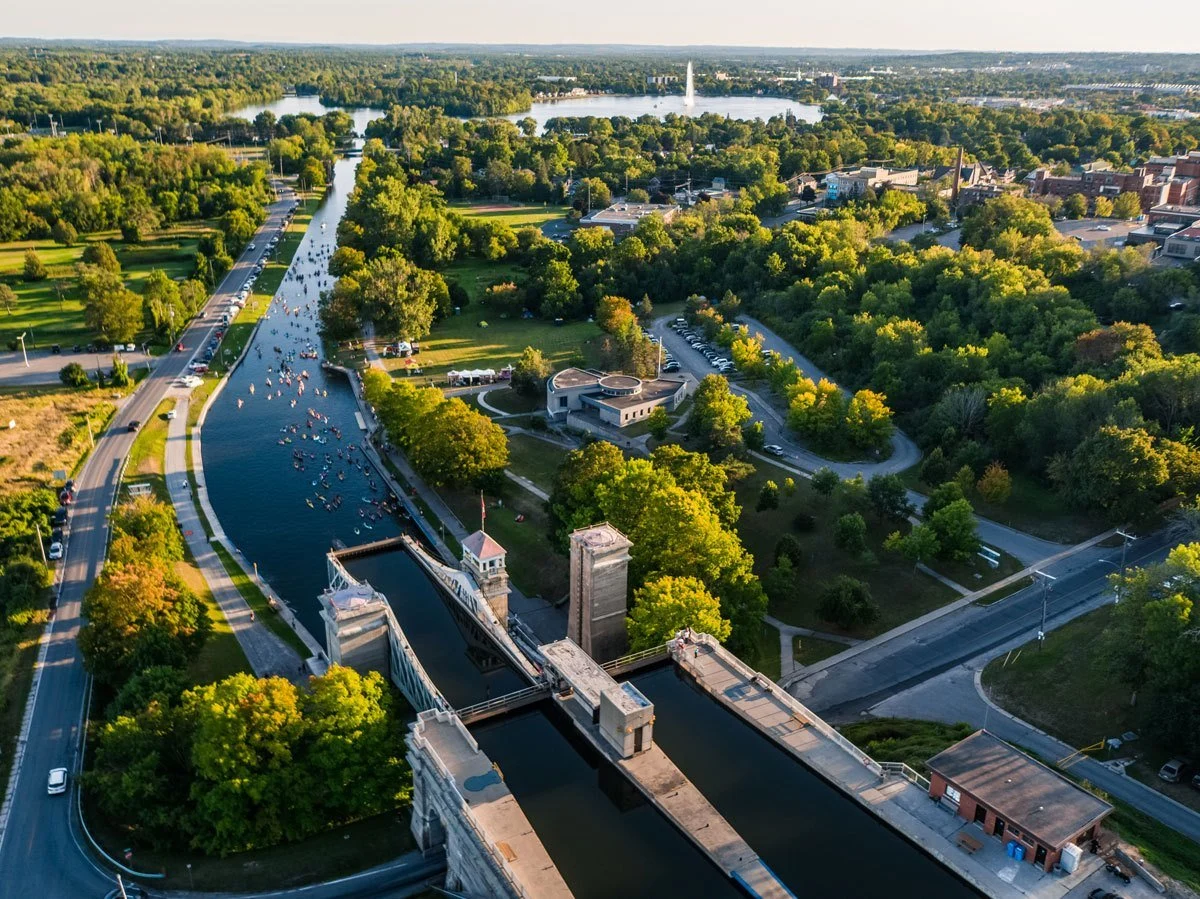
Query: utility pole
[[1127, 538], [21, 337], [1046, 580], [41, 545]]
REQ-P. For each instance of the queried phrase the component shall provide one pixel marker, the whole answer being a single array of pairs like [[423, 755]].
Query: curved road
[[41, 847]]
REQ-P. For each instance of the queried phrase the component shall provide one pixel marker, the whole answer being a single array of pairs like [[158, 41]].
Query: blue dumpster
[[1020, 853], [1010, 848]]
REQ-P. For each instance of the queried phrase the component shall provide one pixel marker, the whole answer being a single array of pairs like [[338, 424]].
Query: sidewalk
[[268, 654]]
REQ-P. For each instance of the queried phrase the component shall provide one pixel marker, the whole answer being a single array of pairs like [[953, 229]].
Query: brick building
[[1154, 185], [1014, 798]]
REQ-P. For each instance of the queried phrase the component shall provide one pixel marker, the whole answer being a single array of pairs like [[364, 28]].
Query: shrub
[[74, 375], [847, 603], [789, 547], [804, 522]]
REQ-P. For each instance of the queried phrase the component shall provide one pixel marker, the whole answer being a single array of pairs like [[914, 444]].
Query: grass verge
[[535, 459], [257, 600], [908, 740], [810, 650]]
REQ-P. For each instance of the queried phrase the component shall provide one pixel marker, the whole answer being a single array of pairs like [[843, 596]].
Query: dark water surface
[[817, 839], [604, 837]]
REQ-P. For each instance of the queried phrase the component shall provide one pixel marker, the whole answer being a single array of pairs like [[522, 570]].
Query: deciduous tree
[[666, 605]]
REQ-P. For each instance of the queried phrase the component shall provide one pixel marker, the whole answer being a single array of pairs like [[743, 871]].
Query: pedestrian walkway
[[481, 398], [787, 662], [528, 485], [267, 653]]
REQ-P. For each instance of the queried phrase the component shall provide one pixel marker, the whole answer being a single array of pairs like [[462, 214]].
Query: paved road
[[41, 848], [44, 366], [842, 687], [954, 696]]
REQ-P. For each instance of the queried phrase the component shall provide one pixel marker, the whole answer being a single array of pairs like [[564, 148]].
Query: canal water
[[604, 837], [466, 670], [818, 840]]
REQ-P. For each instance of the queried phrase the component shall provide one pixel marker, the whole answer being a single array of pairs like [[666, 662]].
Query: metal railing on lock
[[906, 772], [491, 707]]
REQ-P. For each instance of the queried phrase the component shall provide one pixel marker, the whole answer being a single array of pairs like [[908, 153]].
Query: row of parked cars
[[699, 344]]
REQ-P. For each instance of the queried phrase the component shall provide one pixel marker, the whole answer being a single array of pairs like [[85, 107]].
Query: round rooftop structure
[[620, 385]]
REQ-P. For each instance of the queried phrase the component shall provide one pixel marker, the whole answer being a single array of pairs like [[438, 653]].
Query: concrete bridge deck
[[490, 808]]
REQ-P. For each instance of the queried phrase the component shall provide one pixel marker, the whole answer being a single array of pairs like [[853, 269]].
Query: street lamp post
[[1126, 539], [1046, 579], [25, 355]]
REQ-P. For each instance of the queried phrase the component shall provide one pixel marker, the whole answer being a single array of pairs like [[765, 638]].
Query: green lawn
[[221, 655], [535, 459], [147, 455], [763, 654], [515, 216], [901, 592], [460, 342], [50, 319], [507, 400], [810, 650]]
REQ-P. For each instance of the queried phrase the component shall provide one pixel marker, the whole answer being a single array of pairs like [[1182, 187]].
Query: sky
[[1020, 25]]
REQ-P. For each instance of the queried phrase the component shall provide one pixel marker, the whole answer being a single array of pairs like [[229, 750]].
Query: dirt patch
[[45, 429]]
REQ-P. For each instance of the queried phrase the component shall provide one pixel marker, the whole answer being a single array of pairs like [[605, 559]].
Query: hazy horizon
[[934, 26]]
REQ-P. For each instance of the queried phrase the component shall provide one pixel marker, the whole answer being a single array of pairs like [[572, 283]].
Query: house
[[843, 186], [616, 399], [1016, 799], [1183, 244]]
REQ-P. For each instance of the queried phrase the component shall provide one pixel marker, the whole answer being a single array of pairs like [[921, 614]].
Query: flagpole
[[482, 513]]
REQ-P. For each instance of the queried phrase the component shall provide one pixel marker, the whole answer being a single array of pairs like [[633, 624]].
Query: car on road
[[134, 425], [179, 347], [171, 413], [55, 552], [56, 783], [1102, 228], [252, 247], [773, 449]]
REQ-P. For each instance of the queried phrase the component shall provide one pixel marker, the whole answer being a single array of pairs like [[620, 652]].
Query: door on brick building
[[980, 814], [998, 828], [1039, 857]]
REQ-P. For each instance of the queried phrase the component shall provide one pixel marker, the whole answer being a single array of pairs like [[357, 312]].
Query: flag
[[482, 511]]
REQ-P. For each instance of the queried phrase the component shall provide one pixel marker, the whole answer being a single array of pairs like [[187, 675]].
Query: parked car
[[134, 425], [671, 367], [1101, 893], [56, 535], [60, 516], [1175, 771], [55, 552], [773, 449], [171, 413], [56, 783]]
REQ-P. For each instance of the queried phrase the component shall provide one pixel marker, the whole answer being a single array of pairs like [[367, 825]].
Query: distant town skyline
[[930, 25]]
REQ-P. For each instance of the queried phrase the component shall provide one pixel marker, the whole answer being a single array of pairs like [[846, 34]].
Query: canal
[[818, 840]]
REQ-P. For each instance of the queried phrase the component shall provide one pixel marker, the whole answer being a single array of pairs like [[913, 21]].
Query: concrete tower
[[599, 587], [483, 559]]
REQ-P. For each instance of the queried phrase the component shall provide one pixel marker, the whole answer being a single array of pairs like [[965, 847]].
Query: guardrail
[[491, 707], [636, 659], [906, 772]]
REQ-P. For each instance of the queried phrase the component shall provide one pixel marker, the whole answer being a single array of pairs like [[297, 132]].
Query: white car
[[774, 449], [1103, 228], [171, 413], [57, 782], [252, 247], [191, 381], [56, 551]]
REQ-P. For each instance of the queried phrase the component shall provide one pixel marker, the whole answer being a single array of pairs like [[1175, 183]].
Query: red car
[[179, 347]]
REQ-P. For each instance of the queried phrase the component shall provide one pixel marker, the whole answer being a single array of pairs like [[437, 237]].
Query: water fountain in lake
[[689, 92]]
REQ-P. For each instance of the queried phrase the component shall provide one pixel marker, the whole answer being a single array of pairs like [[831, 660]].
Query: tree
[[666, 605], [1075, 206], [996, 484], [160, 297], [74, 375], [557, 289], [120, 372], [34, 269], [346, 261], [530, 373], [754, 436], [869, 421], [889, 496], [818, 412], [658, 421], [8, 298], [850, 534], [153, 527], [459, 446], [591, 193], [139, 616], [111, 309], [238, 228], [101, 255], [768, 497], [919, 545], [573, 495], [1116, 471], [312, 174], [825, 480], [955, 528], [64, 233], [789, 547], [847, 603], [718, 414], [1103, 207], [935, 469], [401, 298], [1127, 205]]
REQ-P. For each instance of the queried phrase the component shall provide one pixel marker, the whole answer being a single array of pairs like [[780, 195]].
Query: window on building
[[562, 402]]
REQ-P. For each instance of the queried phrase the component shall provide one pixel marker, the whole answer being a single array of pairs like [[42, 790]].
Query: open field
[[906, 740], [513, 215], [53, 320], [535, 459], [51, 432], [461, 342], [901, 592], [1087, 704], [222, 655]]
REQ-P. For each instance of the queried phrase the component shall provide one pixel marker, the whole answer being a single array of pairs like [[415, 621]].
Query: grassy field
[[53, 320], [461, 342], [901, 592], [763, 654], [535, 459], [508, 400], [515, 216], [337, 852], [1032, 508], [51, 432], [221, 655], [810, 650], [1087, 704], [147, 456]]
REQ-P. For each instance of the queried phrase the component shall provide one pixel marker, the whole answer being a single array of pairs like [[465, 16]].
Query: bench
[[969, 843]]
